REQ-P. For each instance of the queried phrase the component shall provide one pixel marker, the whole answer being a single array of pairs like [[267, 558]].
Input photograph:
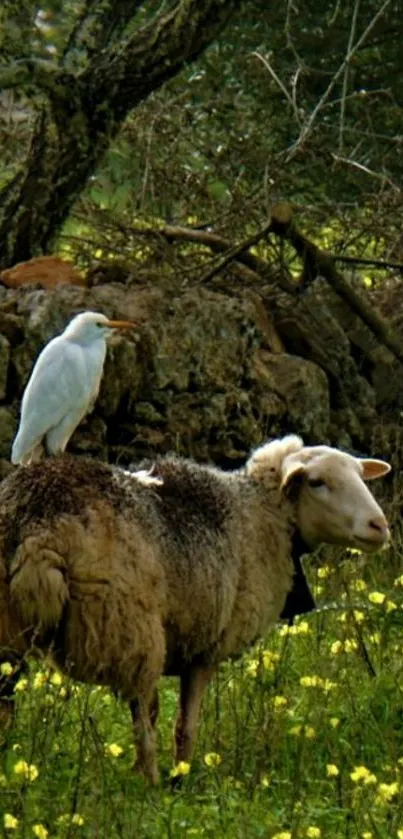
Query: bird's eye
[[315, 483]]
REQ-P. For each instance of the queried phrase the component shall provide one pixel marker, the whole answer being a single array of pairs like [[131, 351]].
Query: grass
[[302, 737]]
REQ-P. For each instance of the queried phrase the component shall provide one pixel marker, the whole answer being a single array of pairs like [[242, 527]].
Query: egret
[[63, 386]]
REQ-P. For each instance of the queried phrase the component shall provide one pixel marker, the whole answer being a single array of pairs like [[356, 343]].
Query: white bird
[[63, 386]]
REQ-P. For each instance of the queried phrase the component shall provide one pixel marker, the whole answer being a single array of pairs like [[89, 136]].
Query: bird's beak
[[120, 324]]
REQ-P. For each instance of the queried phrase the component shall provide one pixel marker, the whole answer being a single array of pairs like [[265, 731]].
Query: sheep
[[123, 582]]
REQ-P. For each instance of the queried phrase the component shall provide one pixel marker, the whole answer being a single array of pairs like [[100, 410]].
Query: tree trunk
[[81, 112]]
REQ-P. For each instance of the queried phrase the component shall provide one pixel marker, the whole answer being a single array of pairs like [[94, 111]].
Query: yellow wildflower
[[324, 572], [336, 647], [269, 659], [359, 616], [39, 680], [21, 685], [296, 730], [212, 759], [332, 770], [181, 768], [399, 834], [362, 774], [6, 668], [366, 835], [301, 628], [314, 832], [358, 585], [27, 770], [252, 667], [285, 834], [310, 681], [114, 750], [310, 732], [40, 831], [376, 597], [56, 679], [334, 722], [264, 781], [390, 606], [387, 791], [398, 582], [279, 701], [350, 645], [9, 821], [77, 819]]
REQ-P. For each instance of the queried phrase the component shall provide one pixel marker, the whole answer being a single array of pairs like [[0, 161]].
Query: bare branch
[[325, 96], [345, 79], [289, 98], [322, 264]]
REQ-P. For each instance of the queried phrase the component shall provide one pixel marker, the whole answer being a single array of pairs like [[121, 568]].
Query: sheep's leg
[[192, 686], [144, 715]]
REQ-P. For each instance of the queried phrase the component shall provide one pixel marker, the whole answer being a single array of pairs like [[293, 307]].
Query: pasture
[[301, 737]]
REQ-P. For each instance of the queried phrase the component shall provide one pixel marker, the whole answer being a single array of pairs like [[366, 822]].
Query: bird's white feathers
[[63, 387]]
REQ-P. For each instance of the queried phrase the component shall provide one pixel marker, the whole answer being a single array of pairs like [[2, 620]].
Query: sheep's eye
[[315, 483]]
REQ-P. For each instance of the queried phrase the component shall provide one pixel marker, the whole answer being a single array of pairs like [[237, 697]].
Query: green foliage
[[303, 737]]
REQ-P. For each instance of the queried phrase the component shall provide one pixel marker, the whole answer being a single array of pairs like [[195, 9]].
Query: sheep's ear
[[292, 476], [374, 468]]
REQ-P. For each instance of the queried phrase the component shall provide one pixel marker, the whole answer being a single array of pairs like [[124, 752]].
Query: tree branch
[[87, 110], [323, 264], [219, 244], [124, 75]]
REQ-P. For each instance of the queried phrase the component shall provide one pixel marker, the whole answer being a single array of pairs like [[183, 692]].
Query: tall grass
[[302, 737]]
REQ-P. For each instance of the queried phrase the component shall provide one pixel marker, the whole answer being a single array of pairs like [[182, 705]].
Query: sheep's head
[[333, 503]]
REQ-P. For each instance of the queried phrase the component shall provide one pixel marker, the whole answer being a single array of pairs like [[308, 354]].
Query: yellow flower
[[334, 722], [358, 585], [285, 834], [298, 628], [387, 791], [310, 732], [77, 819], [252, 667], [366, 835], [399, 834], [264, 781], [398, 582], [390, 606], [10, 822], [359, 616], [332, 770], [21, 685], [362, 774], [181, 768], [212, 759], [40, 831], [376, 597], [324, 572], [350, 645], [114, 750], [39, 680], [27, 770], [269, 659], [296, 730], [56, 679], [314, 832], [280, 701], [310, 681], [6, 668], [336, 648]]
